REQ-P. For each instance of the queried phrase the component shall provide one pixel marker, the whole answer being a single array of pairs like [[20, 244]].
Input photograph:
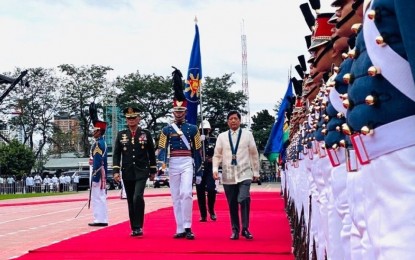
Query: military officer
[[135, 148]]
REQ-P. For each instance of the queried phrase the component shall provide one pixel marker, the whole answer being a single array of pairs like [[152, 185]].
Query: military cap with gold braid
[[131, 112]]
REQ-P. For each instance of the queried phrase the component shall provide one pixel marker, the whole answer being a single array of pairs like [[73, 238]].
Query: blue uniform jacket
[[99, 155], [169, 139], [395, 22]]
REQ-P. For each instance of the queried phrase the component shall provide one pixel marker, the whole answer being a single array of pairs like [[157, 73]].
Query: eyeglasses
[[132, 118]]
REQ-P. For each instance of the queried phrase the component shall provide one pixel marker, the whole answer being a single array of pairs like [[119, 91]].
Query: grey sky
[[152, 35]]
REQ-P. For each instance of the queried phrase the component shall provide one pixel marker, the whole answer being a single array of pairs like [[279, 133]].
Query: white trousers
[[99, 203], [319, 168], [360, 245], [181, 186], [340, 221], [390, 203]]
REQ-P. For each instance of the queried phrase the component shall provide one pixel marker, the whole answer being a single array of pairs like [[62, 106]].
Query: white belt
[[371, 146]]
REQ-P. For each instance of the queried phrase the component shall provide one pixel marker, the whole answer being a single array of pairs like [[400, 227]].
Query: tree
[[82, 86], [33, 105], [218, 100], [261, 128], [16, 158], [153, 96]]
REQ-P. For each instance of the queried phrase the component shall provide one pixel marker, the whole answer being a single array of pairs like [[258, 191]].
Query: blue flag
[[194, 78], [280, 131]]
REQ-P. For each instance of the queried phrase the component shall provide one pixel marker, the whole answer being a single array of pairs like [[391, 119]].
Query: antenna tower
[[246, 119]]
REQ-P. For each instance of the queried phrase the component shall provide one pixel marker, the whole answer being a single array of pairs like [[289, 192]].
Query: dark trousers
[[238, 194], [207, 185], [135, 199]]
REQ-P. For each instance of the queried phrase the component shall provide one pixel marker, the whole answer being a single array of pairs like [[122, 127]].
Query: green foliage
[[151, 94], [83, 85], [218, 100], [261, 128], [16, 158], [32, 195], [36, 102]]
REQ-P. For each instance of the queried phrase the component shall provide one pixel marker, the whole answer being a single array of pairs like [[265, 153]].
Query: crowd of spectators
[[34, 183]]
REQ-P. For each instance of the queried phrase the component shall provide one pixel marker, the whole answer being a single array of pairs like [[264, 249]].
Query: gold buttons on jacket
[[324, 131], [355, 27], [371, 14], [373, 71], [380, 41], [342, 143], [347, 78], [344, 55], [366, 130], [334, 146], [370, 100], [346, 129], [346, 103], [351, 54], [340, 115], [338, 128]]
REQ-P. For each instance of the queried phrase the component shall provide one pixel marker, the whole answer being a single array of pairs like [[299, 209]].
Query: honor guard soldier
[[381, 124], [181, 141], [135, 148], [99, 167], [208, 184]]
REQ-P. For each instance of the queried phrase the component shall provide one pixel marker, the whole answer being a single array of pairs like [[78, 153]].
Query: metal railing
[[20, 187]]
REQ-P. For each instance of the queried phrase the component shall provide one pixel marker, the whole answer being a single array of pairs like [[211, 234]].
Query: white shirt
[[10, 180], [29, 181], [247, 157], [38, 179], [46, 180], [55, 179]]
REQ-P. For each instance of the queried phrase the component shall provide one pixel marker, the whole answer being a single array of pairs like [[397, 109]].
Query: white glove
[[198, 180], [202, 137]]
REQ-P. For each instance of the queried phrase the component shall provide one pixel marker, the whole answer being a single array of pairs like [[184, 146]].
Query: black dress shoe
[[98, 224], [234, 236], [137, 232], [247, 234], [202, 219], [213, 217], [189, 234], [180, 235]]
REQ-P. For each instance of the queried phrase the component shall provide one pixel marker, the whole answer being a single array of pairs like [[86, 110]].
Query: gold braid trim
[[198, 143], [163, 140]]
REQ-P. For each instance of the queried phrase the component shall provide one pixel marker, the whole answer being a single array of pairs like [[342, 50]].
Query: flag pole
[[201, 112]]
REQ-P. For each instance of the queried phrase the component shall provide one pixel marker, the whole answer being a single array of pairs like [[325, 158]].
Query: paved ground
[[27, 224]]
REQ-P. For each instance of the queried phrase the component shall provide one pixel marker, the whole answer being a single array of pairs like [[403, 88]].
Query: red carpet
[[269, 225]]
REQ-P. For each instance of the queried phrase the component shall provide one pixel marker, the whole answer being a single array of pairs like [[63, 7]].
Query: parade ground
[[32, 228]]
